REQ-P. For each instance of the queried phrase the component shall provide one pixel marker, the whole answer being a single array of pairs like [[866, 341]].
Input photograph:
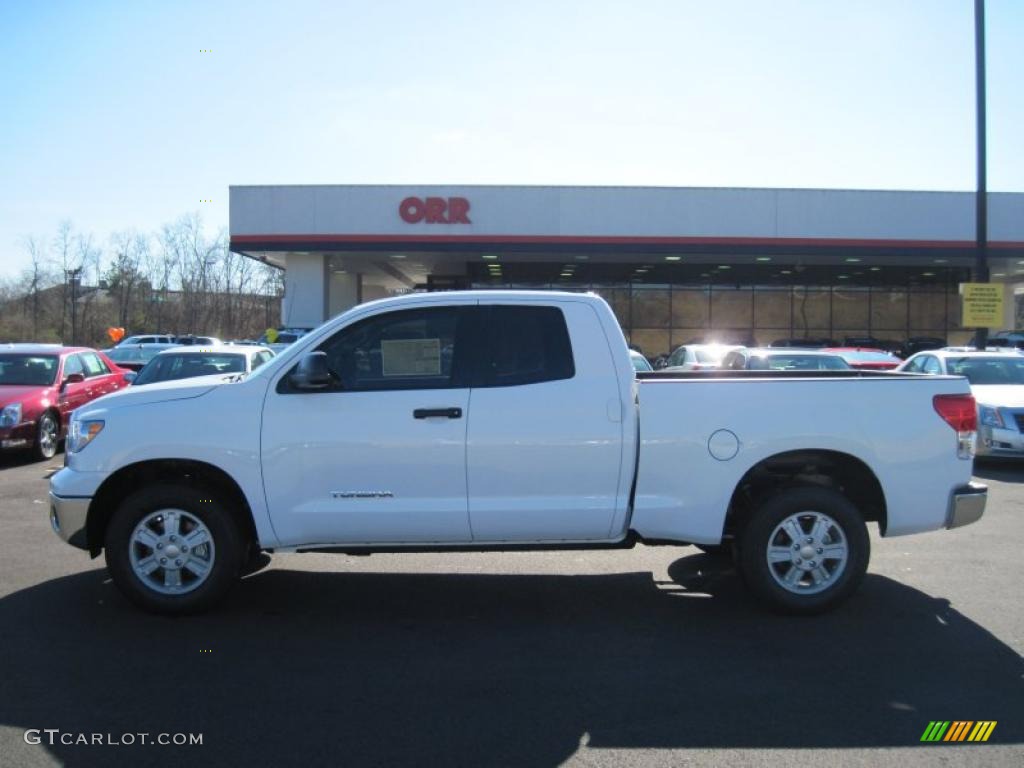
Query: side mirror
[[130, 376], [312, 372], [73, 378]]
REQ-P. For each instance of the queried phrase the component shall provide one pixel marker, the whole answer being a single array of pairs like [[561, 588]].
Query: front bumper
[[67, 518], [966, 505], [999, 441], [20, 436]]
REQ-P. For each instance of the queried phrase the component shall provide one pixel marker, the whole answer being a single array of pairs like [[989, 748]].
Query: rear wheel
[[805, 550], [47, 437], [173, 549]]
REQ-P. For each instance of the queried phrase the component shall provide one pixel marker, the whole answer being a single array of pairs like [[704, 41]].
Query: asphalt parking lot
[[653, 656]]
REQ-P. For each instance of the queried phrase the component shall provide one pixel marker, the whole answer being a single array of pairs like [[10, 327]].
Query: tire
[[47, 437], [804, 577], [173, 549]]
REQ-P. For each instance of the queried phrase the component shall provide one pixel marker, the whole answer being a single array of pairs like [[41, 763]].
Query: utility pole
[[73, 276], [981, 273]]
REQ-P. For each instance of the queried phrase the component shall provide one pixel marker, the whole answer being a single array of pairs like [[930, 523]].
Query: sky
[[118, 115]]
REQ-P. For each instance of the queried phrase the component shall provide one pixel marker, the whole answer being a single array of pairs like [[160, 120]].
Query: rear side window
[[93, 365], [524, 345]]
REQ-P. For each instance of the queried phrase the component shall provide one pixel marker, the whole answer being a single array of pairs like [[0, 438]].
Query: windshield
[[988, 370], [799, 363], [710, 355], [28, 370], [132, 355], [640, 363], [870, 357], [187, 365]]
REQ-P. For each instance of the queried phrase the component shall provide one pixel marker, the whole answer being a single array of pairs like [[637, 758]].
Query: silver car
[[996, 382], [191, 361]]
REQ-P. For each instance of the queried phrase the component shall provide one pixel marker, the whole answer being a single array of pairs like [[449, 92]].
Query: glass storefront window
[[732, 308], [888, 311], [651, 308], [772, 308], [812, 309], [849, 309], [690, 308], [927, 312]]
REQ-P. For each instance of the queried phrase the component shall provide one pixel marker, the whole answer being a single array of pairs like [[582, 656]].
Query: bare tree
[[65, 262], [35, 278], [125, 272]]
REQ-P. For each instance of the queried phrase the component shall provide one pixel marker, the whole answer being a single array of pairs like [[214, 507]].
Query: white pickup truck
[[499, 420]]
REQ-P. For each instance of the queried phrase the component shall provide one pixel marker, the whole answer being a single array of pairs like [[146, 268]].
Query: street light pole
[[981, 273], [73, 276]]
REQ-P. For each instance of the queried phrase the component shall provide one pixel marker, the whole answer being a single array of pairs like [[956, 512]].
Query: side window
[[678, 357], [407, 349], [733, 361], [914, 366], [93, 365], [73, 364], [931, 365], [525, 345]]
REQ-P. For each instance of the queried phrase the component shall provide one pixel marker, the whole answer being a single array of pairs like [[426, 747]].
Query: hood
[[999, 395], [20, 393], [160, 392]]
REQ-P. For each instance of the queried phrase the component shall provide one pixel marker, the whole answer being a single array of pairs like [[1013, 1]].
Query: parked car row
[[168, 339], [41, 384], [702, 353]]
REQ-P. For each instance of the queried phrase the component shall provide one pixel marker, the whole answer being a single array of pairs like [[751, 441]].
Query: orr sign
[[434, 210]]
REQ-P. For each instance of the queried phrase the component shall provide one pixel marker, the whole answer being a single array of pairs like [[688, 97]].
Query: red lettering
[[411, 210], [458, 207], [435, 210]]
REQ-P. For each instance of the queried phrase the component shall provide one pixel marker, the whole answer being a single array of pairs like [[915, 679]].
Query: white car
[[147, 338], [189, 362], [699, 357], [489, 420], [997, 382], [640, 363]]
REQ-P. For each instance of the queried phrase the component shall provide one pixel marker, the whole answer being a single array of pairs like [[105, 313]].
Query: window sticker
[[411, 357]]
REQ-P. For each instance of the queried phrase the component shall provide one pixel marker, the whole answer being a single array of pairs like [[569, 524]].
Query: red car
[[865, 358], [41, 384]]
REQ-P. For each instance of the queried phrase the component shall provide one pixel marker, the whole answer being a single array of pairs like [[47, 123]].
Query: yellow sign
[[982, 305]]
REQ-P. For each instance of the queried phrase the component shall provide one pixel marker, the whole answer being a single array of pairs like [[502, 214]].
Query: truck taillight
[[960, 412]]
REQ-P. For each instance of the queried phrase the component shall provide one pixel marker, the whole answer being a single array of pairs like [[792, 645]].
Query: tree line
[[175, 280]]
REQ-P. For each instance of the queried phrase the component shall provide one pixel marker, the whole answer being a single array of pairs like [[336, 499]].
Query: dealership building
[[676, 264]]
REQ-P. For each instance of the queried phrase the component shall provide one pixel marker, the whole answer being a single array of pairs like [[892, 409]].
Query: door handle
[[430, 413]]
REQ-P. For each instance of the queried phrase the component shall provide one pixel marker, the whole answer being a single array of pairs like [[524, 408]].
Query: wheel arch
[[838, 470], [164, 471]]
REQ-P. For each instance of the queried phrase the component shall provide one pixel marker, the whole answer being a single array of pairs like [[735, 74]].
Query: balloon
[[115, 334], [271, 335]]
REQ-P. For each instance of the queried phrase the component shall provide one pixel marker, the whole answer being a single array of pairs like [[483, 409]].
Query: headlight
[[81, 433], [990, 416], [10, 416]]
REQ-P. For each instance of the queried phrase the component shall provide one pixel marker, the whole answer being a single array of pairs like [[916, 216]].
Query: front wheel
[[805, 550], [47, 437], [173, 549]]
